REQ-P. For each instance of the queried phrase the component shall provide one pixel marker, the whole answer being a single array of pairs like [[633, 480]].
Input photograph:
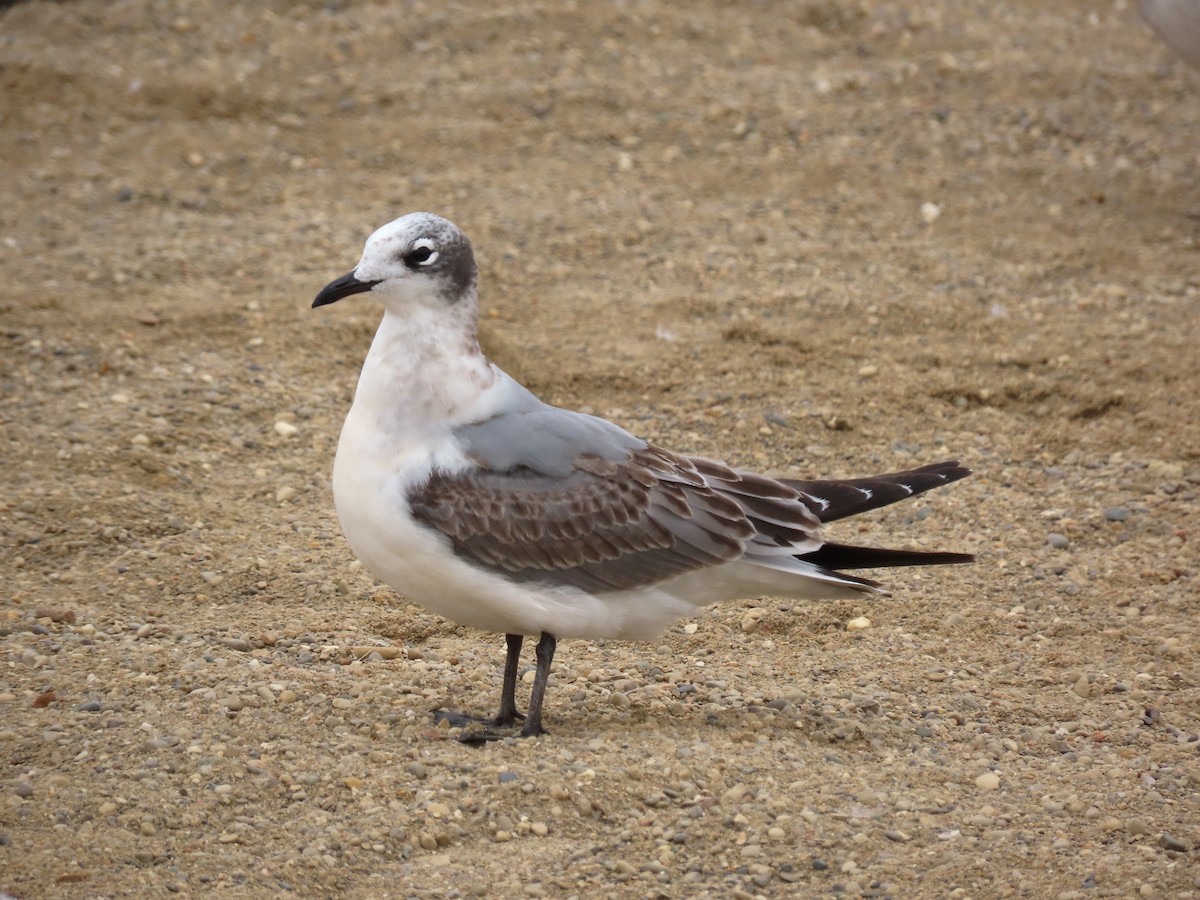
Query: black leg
[[508, 693], [545, 655]]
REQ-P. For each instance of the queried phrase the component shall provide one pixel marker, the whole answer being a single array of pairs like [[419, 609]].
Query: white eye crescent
[[423, 252]]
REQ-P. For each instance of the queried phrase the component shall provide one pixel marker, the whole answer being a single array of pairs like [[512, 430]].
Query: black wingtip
[[834, 499], [848, 556]]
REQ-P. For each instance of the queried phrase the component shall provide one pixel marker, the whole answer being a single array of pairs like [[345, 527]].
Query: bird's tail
[[847, 556]]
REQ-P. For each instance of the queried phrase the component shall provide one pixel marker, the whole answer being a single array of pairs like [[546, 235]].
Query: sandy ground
[[813, 238]]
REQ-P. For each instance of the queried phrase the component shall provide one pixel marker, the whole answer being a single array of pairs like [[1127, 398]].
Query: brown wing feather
[[608, 526]]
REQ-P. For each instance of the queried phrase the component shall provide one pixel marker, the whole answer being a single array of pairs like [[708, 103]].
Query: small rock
[[1170, 842], [1116, 514], [752, 619], [55, 615], [930, 212], [988, 781], [858, 624], [1057, 541], [286, 429]]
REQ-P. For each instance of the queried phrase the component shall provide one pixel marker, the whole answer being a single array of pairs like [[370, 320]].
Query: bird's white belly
[[369, 492]]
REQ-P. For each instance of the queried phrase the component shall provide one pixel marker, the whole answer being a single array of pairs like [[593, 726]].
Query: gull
[[459, 488]]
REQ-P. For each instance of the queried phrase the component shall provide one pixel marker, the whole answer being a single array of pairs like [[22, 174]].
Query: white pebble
[[858, 624], [988, 781], [286, 429], [930, 212]]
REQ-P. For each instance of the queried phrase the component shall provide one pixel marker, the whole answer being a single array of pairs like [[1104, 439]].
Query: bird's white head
[[419, 260]]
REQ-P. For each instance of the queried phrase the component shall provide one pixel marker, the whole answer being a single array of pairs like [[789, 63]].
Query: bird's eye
[[421, 253]]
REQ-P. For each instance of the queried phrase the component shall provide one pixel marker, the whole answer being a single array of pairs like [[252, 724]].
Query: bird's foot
[[477, 730]]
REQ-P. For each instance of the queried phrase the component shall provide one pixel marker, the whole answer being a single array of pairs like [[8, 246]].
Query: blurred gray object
[[1177, 22]]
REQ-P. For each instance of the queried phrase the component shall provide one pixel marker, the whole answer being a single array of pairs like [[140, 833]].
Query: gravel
[[828, 240]]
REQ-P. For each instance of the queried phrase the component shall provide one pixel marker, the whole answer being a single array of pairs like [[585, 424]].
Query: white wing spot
[[866, 492], [907, 487]]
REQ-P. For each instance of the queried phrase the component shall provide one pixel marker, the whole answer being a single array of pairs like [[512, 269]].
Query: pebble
[[286, 429], [988, 781], [752, 619], [1116, 514], [930, 212], [1170, 842], [858, 624], [1057, 541], [367, 650], [1082, 687]]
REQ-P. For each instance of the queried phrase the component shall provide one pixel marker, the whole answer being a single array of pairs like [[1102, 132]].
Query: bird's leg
[[508, 714], [545, 655], [508, 693]]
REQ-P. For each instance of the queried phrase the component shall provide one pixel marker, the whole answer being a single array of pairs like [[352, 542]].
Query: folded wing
[[567, 500]]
